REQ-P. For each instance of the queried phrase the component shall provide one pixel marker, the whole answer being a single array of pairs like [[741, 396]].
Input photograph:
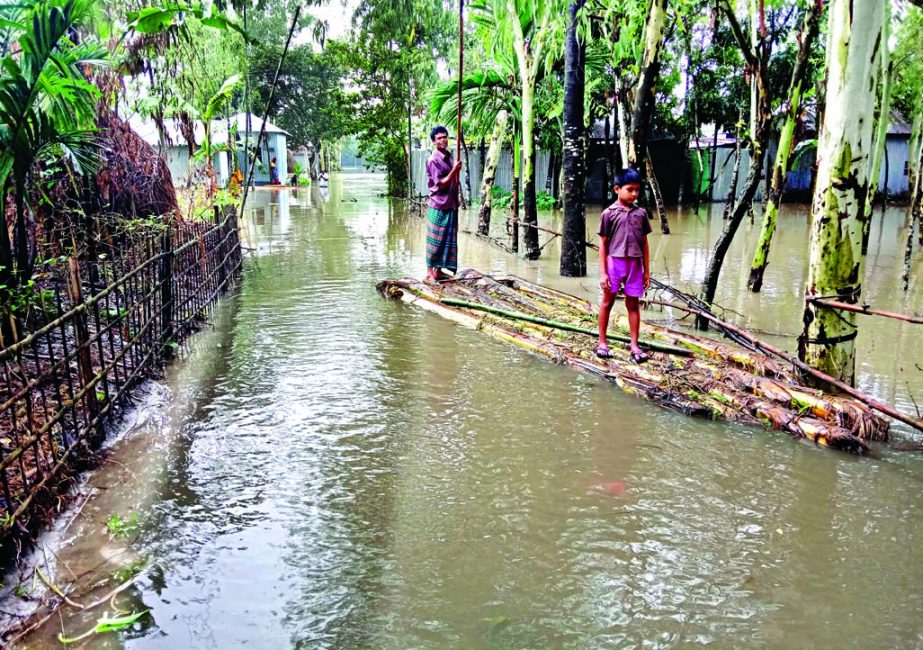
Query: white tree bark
[[836, 260]]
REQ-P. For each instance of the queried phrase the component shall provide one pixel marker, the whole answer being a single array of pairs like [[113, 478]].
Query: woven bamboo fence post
[[166, 293], [82, 348]]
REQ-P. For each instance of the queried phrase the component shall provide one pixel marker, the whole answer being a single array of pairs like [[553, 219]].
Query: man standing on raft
[[442, 218]]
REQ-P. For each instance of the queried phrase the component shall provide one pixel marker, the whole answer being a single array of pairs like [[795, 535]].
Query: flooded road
[[328, 469]]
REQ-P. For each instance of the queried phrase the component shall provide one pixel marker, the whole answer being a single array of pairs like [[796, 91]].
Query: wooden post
[[82, 341], [166, 293], [222, 250]]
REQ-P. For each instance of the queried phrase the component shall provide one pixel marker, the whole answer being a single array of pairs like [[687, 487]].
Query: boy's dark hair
[[436, 131], [626, 176]]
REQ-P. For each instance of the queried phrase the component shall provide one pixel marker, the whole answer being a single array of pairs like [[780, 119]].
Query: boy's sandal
[[640, 356], [603, 352]]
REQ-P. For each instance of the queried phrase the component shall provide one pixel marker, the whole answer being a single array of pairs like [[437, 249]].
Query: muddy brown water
[[324, 468]]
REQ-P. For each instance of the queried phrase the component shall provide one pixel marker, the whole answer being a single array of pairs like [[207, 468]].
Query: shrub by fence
[[95, 326]]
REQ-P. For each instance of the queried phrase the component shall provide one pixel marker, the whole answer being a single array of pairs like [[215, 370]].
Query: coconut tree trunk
[[490, 172], [809, 29], [643, 109], [573, 243], [836, 260], [880, 144]]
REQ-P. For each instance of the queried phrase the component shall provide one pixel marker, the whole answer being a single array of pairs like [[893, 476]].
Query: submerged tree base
[[702, 378]]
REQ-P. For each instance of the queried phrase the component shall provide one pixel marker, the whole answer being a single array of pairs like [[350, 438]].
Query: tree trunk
[[643, 109], [514, 199], [809, 31], [713, 172], [836, 260], [710, 285], [573, 241], [757, 58], [732, 188], [914, 218], [880, 145], [658, 197], [607, 169], [467, 170], [621, 103], [529, 208], [490, 172]]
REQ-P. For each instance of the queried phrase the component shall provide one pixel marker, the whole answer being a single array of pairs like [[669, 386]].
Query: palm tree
[[46, 106]]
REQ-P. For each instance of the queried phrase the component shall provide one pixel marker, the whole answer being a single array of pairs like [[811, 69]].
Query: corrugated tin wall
[[797, 188]]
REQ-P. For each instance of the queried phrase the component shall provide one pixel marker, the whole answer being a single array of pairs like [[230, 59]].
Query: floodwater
[[324, 468]]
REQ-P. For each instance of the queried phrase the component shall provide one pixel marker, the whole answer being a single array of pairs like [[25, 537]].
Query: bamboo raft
[[693, 375]]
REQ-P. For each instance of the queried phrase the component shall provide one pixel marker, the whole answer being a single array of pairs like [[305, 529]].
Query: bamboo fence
[[101, 324]]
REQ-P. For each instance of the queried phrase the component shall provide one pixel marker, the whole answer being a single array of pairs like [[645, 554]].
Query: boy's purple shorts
[[629, 270]]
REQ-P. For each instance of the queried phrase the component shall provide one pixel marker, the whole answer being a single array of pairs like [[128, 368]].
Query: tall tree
[[757, 59], [525, 28], [573, 244], [394, 49], [809, 29], [836, 260]]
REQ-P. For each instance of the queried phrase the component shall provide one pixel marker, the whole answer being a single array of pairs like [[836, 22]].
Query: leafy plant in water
[[106, 624], [122, 528], [129, 571]]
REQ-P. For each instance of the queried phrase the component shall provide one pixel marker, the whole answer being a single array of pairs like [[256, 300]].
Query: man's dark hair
[[436, 131], [626, 176]]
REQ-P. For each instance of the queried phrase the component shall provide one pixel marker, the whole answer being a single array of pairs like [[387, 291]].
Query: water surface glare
[[342, 471]]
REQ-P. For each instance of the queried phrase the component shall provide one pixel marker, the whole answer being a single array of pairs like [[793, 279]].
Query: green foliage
[[47, 109], [129, 571], [907, 60], [105, 624], [122, 528], [390, 59], [500, 197], [544, 200], [309, 101]]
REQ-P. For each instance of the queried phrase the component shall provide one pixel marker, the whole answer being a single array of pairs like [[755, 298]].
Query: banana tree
[[46, 107]]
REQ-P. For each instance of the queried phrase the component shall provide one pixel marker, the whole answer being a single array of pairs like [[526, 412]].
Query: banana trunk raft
[[695, 376]]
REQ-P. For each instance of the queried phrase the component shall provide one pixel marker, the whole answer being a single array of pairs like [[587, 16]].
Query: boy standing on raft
[[624, 257], [442, 217]]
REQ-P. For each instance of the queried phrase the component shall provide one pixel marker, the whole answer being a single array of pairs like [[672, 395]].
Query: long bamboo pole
[[515, 315], [272, 92], [461, 70], [865, 309]]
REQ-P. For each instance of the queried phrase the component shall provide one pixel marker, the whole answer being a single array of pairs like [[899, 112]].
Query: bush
[[501, 198], [544, 201]]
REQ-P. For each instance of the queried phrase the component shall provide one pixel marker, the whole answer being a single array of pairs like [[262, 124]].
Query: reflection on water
[[342, 471]]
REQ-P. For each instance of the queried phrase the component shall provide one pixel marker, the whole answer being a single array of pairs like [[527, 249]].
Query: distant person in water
[[442, 218], [273, 172], [624, 260]]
